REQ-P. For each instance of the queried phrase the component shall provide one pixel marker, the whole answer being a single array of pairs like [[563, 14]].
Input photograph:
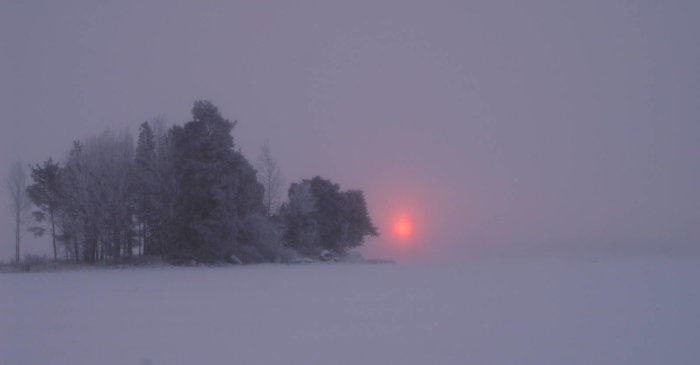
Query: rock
[[326, 255], [303, 260], [235, 260]]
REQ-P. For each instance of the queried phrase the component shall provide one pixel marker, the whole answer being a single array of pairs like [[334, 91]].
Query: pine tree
[[207, 179]]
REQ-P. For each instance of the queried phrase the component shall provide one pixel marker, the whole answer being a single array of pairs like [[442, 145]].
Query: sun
[[403, 228]]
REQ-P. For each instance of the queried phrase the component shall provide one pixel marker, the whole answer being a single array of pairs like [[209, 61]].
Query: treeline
[[188, 195]]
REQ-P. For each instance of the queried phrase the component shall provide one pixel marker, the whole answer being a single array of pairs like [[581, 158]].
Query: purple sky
[[556, 128]]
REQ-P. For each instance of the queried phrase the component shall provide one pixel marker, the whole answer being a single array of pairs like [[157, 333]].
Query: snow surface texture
[[529, 312]]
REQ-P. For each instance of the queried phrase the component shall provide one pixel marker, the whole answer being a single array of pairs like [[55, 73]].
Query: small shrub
[[35, 263]]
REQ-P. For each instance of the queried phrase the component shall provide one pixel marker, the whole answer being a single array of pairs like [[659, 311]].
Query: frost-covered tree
[[45, 193], [111, 162], [99, 198], [261, 240], [19, 204], [318, 216], [188, 193], [270, 176]]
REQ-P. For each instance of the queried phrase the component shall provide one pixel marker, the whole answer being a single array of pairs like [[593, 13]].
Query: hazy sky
[[499, 128]]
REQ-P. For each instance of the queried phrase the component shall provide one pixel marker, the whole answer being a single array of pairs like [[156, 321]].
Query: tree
[[299, 218], [97, 216], [355, 223], [19, 201], [110, 165], [320, 217], [185, 193], [165, 200], [146, 184], [73, 218], [206, 172], [271, 178], [45, 193]]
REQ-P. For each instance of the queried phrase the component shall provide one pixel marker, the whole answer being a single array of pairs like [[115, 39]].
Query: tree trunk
[[145, 245], [17, 228], [142, 246], [143, 238], [76, 250], [53, 236], [129, 245], [269, 194]]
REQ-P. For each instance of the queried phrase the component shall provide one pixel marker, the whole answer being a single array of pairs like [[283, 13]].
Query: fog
[[552, 129]]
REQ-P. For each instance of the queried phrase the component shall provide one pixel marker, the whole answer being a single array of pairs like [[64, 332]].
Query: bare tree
[[271, 177], [19, 201]]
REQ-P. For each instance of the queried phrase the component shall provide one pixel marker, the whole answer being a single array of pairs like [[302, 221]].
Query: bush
[[35, 263]]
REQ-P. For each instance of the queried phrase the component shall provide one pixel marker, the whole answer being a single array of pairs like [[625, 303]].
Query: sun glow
[[403, 228]]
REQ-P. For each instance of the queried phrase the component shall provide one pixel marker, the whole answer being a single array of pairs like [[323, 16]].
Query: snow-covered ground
[[508, 312]]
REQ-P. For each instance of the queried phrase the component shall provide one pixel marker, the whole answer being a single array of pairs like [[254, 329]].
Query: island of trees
[[187, 195]]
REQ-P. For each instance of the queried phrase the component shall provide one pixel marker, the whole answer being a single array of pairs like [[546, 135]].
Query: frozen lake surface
[[497, 312]]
